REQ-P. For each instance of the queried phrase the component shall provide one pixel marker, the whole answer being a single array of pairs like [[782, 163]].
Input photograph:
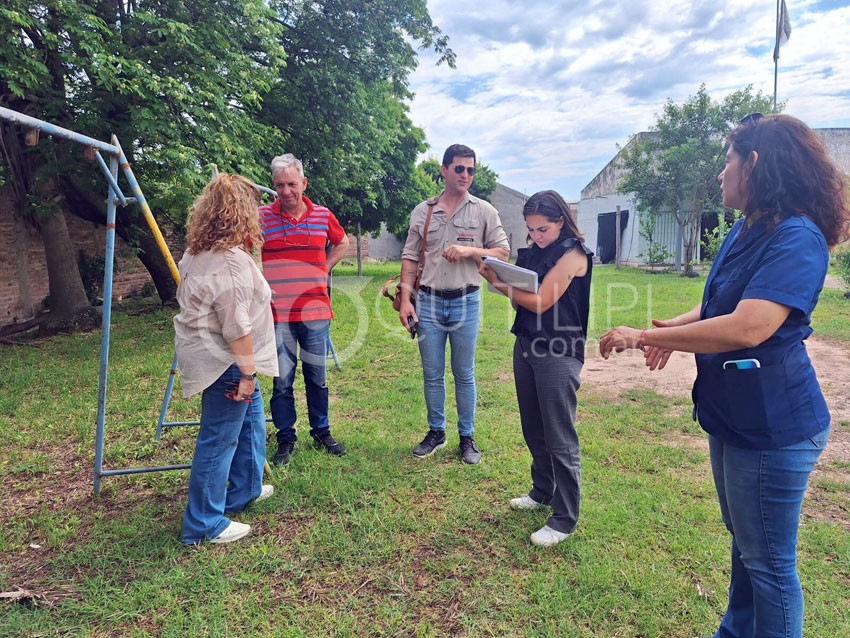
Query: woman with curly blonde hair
[[224, 336]]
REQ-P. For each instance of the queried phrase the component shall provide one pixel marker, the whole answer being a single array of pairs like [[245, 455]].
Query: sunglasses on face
[[460, 168], [752, 119]]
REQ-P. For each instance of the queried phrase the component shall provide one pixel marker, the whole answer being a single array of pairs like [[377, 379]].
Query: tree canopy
[[188, 85], [674, 167]]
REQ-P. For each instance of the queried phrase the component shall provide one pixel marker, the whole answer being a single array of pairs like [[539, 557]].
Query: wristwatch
[[251, 376]]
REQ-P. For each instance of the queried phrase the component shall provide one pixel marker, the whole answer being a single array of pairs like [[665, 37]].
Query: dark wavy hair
[[457, 150], [553, 207], [793, 175]]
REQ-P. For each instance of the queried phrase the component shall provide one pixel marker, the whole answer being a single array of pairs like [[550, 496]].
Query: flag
[[783, 29]]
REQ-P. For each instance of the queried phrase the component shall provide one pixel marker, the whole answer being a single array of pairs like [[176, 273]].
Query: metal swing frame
[[114, 197]]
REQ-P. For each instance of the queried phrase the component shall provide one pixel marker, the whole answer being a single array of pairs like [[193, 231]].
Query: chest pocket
[[466, 229], [436, 232], [727, 288]]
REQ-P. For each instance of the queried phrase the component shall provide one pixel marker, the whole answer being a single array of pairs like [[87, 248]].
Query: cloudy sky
[[545, 90]]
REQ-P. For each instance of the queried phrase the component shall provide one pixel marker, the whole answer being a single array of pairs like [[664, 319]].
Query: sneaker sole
[[527, 508], [218, 540], [436, 447]]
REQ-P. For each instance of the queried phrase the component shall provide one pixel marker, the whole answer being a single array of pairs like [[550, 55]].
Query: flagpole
[[776, 58]]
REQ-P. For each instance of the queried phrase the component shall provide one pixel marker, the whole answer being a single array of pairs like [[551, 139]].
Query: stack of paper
[[521, 278]]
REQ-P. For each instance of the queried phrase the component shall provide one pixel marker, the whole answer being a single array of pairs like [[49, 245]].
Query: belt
[[449, 294]]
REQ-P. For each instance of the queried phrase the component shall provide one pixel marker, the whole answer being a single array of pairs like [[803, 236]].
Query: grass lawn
[[375, 543]]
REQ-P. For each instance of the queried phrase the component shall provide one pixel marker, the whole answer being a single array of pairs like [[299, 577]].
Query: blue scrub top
[[779, 403]]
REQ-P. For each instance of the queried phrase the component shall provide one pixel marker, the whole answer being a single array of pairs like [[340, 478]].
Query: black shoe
[[469, 451], [433, 441], [284, 451], [329, 443]]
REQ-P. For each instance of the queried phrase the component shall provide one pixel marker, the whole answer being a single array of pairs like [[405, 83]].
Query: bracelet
[[250, 377], [641, 343]]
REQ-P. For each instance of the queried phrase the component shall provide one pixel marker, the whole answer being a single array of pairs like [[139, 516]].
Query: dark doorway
[[606, 235]]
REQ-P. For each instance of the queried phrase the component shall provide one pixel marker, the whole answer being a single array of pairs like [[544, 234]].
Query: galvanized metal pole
[[105, 326], [56, 131]]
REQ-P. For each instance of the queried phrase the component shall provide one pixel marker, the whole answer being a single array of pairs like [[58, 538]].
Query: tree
[[25, 175], [674, 168], [656, 253], [178, 83], [340, 104], [185, 85]]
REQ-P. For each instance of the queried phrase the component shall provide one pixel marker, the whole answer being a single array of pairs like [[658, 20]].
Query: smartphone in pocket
[[741, 364]]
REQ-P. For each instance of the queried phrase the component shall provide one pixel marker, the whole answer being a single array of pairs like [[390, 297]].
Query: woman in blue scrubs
[[756, 393]]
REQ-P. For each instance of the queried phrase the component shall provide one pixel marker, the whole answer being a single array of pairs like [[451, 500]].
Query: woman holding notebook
[[551, 330]]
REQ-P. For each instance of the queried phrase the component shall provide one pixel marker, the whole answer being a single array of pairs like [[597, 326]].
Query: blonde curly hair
[[224, 215]]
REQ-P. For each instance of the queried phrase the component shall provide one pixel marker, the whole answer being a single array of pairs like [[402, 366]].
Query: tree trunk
[[9, 208], [67, 293]]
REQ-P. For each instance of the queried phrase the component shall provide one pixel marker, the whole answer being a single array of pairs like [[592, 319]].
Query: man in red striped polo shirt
[[302, 243]]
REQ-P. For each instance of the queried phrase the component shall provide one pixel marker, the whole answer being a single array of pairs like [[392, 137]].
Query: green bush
[[842, 264], [712, 239]]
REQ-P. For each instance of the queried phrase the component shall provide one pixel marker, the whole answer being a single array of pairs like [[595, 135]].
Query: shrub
[[842, 265]]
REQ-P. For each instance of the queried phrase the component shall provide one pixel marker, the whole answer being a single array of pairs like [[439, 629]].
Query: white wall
[[590, 209]]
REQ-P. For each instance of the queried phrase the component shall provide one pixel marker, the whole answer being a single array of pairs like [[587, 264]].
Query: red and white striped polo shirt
[[295, 260]]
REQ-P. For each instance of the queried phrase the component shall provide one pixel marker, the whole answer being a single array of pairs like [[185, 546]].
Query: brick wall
[[23, 269]]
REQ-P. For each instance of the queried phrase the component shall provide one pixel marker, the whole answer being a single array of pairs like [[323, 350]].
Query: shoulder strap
[[421, 264]]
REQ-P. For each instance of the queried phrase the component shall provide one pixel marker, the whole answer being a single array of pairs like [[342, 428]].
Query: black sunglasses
[[469, 169], [751, 119]]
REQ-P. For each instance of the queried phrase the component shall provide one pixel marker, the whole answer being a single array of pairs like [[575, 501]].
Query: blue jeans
[[761, 494], [227, 469], [457, 321], [311, 339]]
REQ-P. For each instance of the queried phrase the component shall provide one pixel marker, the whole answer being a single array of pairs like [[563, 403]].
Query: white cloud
[[545, 91]]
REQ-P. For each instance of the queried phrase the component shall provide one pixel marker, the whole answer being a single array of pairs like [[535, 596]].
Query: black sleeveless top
[[563, 327]]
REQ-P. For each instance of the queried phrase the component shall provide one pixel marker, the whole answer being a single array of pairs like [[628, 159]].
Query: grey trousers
[[546, 386]]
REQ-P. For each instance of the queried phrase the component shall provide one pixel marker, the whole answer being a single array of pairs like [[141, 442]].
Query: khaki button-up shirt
[[475, 223]]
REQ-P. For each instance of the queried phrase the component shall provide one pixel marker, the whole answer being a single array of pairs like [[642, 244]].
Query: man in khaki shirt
[[462, 230]]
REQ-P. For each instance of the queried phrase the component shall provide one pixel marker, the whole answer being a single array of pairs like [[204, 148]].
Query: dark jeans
[[310, 340], [546, 388]]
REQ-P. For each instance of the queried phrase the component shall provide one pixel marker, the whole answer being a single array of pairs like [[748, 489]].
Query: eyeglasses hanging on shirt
[[295, 230]]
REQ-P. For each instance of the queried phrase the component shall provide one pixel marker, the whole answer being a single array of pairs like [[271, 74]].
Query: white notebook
[[516, 276]]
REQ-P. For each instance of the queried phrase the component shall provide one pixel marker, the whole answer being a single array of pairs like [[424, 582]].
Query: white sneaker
[[232, 532], [267, 491], [525, 502], [548, 537]]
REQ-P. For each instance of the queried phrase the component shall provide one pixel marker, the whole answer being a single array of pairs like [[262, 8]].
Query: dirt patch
[[831, 359]]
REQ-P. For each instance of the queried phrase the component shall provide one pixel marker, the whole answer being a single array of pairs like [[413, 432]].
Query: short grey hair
[[285, 162]]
